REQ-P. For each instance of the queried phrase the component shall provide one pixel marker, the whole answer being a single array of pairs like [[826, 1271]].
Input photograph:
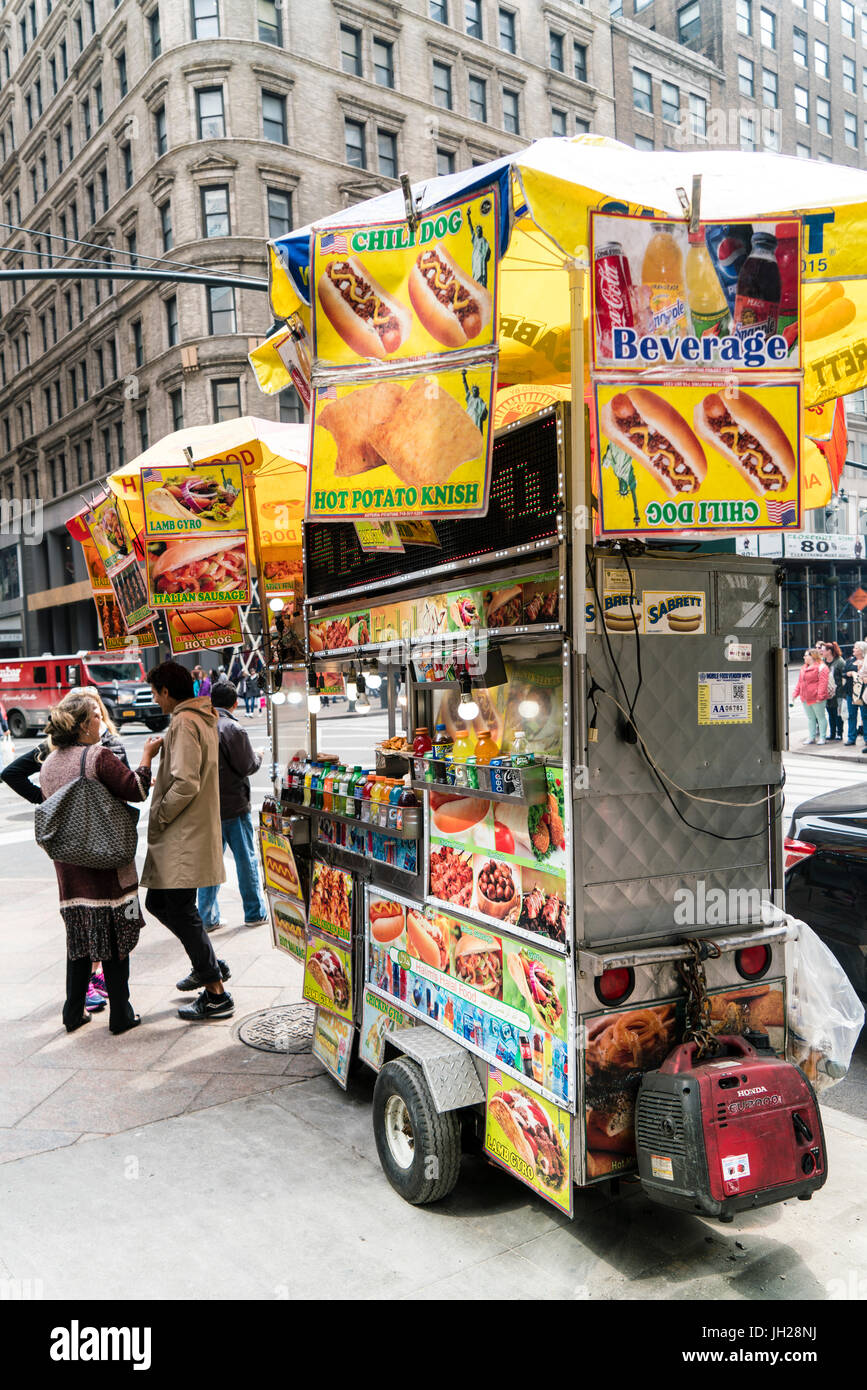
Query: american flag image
[[780, 513], [328, 393], [334, 242]]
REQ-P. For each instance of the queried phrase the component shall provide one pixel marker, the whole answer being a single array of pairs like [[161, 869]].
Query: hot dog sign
[[386, 292]]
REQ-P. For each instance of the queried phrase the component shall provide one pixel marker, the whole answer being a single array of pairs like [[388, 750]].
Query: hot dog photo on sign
[[385, 293]]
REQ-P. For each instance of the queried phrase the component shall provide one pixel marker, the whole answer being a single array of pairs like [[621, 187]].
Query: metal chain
[[691, 971]]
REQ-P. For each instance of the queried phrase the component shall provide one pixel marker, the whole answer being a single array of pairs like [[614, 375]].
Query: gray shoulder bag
[[86, 825]]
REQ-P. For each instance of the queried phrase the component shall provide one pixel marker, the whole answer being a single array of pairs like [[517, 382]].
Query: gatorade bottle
[[662, 277], [708, 310]]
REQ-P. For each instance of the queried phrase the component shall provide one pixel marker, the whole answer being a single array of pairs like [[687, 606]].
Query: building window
[[291, 408], [126, 155], [137, 343], [508, 38], [555, 51], [176, 402], [820, 58], [769, 88], [445, 162], [439, 10], [579, 52], [353, 132], [768, 25], [122, 81], [746, 78], [511, 112], [206, 19], [215, 211], [97, 95], [689, 23], [558, 121], [166, 226], [849, 75], [386, 148], [161, 131], [70, 146], [820, 10], [85, 117], [209, 107], [847, 19], [226, 395], [279, 213], [383, 63], [274, 117], [478, 99], [155, 35], [350, 50], [670, 102], [698, 115], [745, 17], [802, 105], [747, 132], [269, 23], [473, 12], [100, 368], [642, 90], [823, 116], [172, 332], [850, 129], [90, 190], [103, 188], [118, 439], [221, 309], [112, 352], [143, 436], [85, 390], [442, 85], [644, 142], [132, 249]]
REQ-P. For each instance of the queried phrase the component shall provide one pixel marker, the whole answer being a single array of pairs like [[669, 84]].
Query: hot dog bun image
[[194, 624], [656, 436], [531, 1134], [367, 319], [426, 940], [279, 867], [386, 920], [452, 307], [747, 434]]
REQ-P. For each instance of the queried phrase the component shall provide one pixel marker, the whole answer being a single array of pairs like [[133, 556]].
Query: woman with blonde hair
[[100, 907], [812, 691]]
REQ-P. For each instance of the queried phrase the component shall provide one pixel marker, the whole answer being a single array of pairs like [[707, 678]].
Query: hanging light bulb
[[401, 697], [295, 696], [276, 605], [351, 684], [529, 706], [467, 709], [314, 704], [278, 698], [374, 680]]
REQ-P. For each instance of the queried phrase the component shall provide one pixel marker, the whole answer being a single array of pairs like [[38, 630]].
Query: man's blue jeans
[[238, 835]]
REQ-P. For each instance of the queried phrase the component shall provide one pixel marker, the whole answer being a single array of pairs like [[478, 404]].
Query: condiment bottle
[[487, 747]]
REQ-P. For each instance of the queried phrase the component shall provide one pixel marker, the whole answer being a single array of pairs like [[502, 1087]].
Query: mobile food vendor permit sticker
[[530, 1137], [725, 697]]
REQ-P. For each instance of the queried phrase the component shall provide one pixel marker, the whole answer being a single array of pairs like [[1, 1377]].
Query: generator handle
[[683, 1057]]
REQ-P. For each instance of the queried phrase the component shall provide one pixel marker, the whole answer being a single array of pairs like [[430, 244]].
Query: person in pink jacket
[[812, 691]]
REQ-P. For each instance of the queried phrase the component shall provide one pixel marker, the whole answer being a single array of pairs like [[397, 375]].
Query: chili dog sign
[[694, 455]]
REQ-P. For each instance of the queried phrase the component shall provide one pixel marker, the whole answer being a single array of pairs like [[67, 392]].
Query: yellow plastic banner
[[405, 446], [386, 293], [683, 456]]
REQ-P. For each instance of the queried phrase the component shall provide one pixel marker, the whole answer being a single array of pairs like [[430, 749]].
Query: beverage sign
[[725, 298], [693, 455]]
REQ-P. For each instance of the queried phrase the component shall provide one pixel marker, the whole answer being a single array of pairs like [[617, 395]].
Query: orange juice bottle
[[487, 747], [662, 276]]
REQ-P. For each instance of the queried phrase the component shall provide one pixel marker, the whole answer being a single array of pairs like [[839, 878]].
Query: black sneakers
[[195, 981], [208, 1006]]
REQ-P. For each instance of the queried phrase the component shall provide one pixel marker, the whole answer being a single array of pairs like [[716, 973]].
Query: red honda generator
[[728, 1133]]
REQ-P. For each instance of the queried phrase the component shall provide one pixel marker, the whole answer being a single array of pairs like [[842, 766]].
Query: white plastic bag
[[7, 750], [824, 1014]]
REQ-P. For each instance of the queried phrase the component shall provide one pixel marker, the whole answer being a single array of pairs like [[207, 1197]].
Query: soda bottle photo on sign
[[662, 278], [708, 307], [759, 289], [613, 293]]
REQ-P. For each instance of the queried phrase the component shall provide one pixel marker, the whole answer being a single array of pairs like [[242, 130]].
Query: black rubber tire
[[435, 1135], [17, 723], [156, 726]]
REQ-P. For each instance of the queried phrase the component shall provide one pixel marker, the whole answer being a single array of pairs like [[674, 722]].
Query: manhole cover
[[287, 1028]]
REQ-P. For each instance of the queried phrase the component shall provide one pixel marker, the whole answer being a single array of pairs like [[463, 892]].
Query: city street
[[141, 1139]]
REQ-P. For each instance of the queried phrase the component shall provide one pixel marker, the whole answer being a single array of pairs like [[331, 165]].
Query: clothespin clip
[[695, 206], [409, 203]]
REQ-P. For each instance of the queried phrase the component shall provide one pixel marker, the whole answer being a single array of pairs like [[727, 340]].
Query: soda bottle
[[788, 259], [662, 277], [757, 302], [708, 309], [728, 248]]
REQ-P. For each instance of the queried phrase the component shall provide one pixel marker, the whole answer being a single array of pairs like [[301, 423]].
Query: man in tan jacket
[[185, 842]]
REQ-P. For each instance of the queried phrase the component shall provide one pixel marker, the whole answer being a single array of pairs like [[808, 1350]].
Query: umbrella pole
[[250, 487], [580, 503]]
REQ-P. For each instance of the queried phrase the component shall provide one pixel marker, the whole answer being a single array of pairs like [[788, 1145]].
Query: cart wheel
[[419, 1148]]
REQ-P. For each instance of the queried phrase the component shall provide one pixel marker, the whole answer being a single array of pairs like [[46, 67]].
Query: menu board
[[331, 900], [529, 1137], [116, 550], [205, 630], [210, 572], [115, 637], [503, 861], [627, 609], [379, 1017], [205, 500], [328, 975], [332, 1044], [288, 925], [278, 862], [505, 999]]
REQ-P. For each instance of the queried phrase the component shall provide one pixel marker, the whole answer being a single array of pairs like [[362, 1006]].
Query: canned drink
[[613, 284], [728, 248], [472, 774]]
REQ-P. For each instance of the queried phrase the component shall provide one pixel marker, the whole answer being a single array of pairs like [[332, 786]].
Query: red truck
[[31, 686]]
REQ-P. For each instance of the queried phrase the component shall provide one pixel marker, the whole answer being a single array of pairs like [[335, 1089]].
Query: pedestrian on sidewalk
[[99, 907], [185, 847], [852, 688], [833, 659], [237, 761], [812, 691]]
